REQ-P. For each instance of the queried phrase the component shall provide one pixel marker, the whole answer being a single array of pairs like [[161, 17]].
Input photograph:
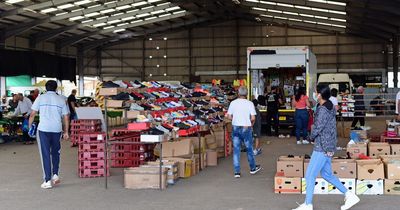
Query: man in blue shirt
[[52, 109]]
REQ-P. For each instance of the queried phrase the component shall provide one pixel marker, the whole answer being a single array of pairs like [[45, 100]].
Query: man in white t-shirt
[[398, 105], [243, 114]]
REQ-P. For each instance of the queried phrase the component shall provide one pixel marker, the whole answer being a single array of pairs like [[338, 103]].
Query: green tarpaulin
[[19, 81]]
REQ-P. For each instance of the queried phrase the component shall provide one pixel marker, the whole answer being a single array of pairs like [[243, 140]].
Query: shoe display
[[350, 200], [304, 207], [110, 84], [121, 96]]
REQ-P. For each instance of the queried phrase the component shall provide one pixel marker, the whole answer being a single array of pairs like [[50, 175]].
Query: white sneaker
[[288, 136], [46, 185], [55, 179], [299, 142], [306, 142], [281, 136], [304, 207], [350, 200]]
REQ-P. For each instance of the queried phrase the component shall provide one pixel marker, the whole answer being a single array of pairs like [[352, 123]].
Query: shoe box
[[287, 185], [372, 169], [321, 186], [376, 149], [349, 184], [291, 166], [392, 187], [357, 149], [369, 187]]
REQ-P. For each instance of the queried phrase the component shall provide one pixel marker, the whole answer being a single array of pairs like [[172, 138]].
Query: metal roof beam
[[76, 39], [33, 7], [312, 4], [17, 29], [45, 35]]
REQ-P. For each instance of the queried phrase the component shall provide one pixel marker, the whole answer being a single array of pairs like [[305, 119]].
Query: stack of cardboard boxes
[[380, 174]]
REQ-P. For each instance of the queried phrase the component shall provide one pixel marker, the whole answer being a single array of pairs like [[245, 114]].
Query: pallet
[[92, 173], [91, 164], [91, 156], [91, 147]]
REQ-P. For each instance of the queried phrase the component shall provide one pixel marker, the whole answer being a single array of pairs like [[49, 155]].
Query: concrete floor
[[213, 188]]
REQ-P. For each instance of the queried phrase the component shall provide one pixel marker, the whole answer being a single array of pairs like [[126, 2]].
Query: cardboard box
[[144, 178], [386, 158], [287, 185], [210, 139], [196, 142], [204, 127], [133, 114], [370, 169], [183, 148], [321, 186], [369, 187], [109, 91], [350, 185], [376, 149], [219, 137], [357, 149], [395, 149], [392, 186], [290, 166], [212, 146], [212, 158], [184, 166], [392, 169], [344, 168], [152, 138], [171, 166], [114, 103], [195, 165]]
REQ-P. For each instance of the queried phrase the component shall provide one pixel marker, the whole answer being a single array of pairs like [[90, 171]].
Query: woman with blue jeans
[[301, 103], [324, 135]]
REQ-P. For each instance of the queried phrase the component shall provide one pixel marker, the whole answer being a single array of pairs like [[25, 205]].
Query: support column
[[79, 61], [98, 63], [143, 73], [395, 46], [337, 51], [190, 55], [386, 59], [237, 48], [2, 86]]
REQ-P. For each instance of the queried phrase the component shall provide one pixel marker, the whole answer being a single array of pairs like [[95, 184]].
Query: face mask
[[315, 96]]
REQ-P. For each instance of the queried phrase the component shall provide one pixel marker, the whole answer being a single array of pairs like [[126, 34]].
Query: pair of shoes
[[55, 180]]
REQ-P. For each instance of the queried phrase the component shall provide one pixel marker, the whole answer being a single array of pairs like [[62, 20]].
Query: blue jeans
[[301, 119], [245, 135], [49, 150], [320, 163]]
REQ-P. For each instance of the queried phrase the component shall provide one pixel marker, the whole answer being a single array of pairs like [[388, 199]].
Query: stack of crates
[[124, 155], [78, 126], [91, 155]]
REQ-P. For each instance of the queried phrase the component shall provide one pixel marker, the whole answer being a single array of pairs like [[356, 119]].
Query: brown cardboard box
[[287, 185], [357, 149], [204, 127], [144, 178], [392, 186], [171, 166], [114, 103], [344, 168], [195, 141], [221, 152], [219, 137], [184, 148], [184, 166], [109, 91], [291, 167], [133, 114], [212, 146], [210, 139], [376, 149], [212, 158], [395, 149], [386, 158], [370, 169], [392, 167]]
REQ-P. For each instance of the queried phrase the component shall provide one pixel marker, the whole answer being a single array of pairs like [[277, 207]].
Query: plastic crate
[[126, 163], [92, 137], [91, 155], [91, 147], [127, 156], [121, 132], [91, 164], [126, 138], [92, 173], [139, 126]]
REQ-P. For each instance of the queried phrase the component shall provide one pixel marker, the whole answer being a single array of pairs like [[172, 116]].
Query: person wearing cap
[[359, 108], [52, 109]]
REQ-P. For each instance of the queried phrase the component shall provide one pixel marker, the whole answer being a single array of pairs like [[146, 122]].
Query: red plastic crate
[[121, 132], [126, 138], [126, 163], [91, 155], [92, 137], [127, 156], [92, 173], [91, 164], [91, 147], [139, 126]]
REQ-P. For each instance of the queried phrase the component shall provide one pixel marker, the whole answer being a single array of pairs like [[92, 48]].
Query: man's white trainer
[[304, 207], [350, 200], [46, 185]]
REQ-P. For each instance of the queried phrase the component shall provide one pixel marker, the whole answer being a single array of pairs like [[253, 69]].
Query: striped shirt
[[51, 108]]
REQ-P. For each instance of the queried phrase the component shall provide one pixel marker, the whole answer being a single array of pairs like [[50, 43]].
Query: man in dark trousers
[[273, 102], [72, 105]]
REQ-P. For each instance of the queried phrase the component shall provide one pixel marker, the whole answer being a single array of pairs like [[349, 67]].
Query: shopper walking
[[52, 108], [24, 109], [359, 108], [243, 114], [302, 104], [324, 134], [273, 102], [257, 130]]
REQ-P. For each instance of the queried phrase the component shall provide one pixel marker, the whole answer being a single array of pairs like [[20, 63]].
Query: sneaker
[[304, 207], [350, 200], [55, 179], [288, 136], [281, 136], [255, 170], [237, 175], [257, 151], [46, 185], [306, 142], [299, 142]]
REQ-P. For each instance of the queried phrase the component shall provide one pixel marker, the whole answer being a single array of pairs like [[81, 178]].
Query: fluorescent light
[[76, 18], [65, 6], [108, 27], [178, 12], [128, 18], [123, 7], [260, 9], [102, 17], [114, 21], [172, 8], [164, 15], [142, 15], [13, 1], [153, 1], [107, 11], [147, 7], [122, 24], [92, 14], [76, 10], [62, 13], [96, 5], [119, 30], [139, 3], [135, 10], [99, 24], [150, 18], [116, 14], [137, 21], [51, 9], [82, 2], [87, 21], [157, 12], [110, 2]]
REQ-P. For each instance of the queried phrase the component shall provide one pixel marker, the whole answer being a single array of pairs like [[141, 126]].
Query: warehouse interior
[[191, 42]]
